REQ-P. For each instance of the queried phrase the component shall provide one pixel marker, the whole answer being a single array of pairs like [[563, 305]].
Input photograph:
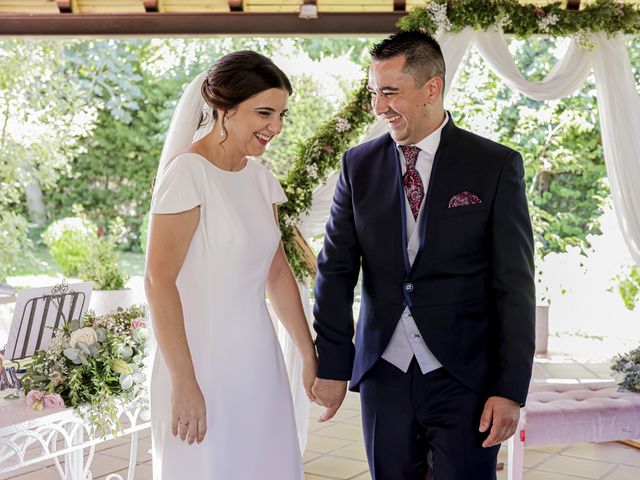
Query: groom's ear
[[433, 89]]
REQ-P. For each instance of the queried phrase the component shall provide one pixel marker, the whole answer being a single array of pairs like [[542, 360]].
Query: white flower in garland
[[342, 125], [438, 13], [545, 23], [290, 221], [502, 22], [585, 41], [312, 171]]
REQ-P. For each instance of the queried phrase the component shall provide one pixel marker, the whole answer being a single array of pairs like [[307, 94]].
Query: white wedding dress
[[251, 432]]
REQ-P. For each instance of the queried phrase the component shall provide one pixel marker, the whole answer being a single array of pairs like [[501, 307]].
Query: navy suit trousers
[[405, 415]]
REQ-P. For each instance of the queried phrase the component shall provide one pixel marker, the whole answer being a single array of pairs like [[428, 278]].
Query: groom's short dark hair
[[423, 55]]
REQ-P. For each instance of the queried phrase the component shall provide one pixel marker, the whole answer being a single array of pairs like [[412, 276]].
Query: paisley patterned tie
[[412, 182]]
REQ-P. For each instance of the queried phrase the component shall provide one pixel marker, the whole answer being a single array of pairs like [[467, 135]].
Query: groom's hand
[[330, 394], [502, 415]]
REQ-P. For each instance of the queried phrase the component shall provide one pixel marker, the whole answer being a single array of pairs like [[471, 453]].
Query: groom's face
[[396, 96]]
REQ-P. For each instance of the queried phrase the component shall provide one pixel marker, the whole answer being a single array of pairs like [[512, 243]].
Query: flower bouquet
[[627, 370], [94, 364]]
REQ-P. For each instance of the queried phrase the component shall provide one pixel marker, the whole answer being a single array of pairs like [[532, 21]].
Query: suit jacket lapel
[[447, 132]]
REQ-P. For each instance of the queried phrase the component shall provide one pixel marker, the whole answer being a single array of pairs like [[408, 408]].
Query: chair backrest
[[40, 312]]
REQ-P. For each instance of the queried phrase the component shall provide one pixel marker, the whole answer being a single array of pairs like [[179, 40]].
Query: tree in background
[[42, 119], [111, 175]]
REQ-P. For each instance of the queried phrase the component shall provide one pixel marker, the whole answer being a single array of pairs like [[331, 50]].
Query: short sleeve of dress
[[179, 188], [275, 189]]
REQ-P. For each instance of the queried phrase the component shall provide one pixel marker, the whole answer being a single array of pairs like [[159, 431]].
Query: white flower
[[87, 335], [59, 342], [290, 221], [77, 224], [312, 171], [545, 23], [502, 22], [342, 125], [438, 13], [585, 41], [140, 335]]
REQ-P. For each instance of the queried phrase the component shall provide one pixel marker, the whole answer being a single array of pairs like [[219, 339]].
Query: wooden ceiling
[[208, 17]]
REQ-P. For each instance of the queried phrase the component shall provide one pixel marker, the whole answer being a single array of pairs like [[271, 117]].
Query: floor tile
[[355, 451], [546, 448], [345, 414], [624, 472], [577, 467], [143, 472], [124, 451], [634, 458], [336, 467], [308, 456], [343, 431], [320, 444], [607, 452], [537, 475], [356, 420], [351, 403], [42, 474], [364, 476], [532, 458], [104, 464]]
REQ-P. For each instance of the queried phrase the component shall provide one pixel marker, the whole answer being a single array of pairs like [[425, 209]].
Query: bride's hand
[[188, 411], [309, 366]]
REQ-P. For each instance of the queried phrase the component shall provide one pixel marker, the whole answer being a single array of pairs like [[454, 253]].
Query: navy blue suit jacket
[[470, 289]]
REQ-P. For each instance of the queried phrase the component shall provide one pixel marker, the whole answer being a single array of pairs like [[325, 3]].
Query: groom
[[436, 217]]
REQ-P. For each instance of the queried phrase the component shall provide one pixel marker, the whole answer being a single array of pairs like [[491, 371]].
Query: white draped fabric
[[618, 105]]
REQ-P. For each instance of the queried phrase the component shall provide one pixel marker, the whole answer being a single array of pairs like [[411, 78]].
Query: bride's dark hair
[[238, 76]]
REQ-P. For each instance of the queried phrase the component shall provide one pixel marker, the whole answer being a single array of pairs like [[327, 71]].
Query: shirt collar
[[430, 143]]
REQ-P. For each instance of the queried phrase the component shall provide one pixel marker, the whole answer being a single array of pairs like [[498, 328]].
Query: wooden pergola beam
[[234, 23]]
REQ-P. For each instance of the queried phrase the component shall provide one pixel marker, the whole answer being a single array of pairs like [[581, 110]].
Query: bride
[[221, 405]]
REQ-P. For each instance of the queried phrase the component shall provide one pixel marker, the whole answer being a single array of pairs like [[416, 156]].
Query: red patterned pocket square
[[463, 199]]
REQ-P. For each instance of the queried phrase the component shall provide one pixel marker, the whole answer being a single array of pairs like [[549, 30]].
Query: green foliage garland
[[315, 160], [601, 16]]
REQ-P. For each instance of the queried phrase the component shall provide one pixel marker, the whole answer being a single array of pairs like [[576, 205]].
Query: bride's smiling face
[[255, 122]]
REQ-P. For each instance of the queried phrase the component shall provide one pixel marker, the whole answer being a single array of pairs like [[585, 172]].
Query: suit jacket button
[[408, 287]]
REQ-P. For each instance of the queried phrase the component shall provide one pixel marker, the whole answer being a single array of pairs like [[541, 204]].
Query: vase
[[542, 328], [105, 301]]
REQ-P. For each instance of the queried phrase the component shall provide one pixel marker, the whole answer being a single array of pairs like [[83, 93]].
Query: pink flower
[[539, 12], [138, 322], [328, 149], [53, 400], [34, 399]]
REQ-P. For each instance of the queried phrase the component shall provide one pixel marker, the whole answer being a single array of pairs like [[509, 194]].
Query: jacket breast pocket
[[464, 210]]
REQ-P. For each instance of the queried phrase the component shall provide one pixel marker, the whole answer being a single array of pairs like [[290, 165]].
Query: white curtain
[[618, 105]]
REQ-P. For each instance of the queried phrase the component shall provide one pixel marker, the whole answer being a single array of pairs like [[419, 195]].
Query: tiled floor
[[335, 449]]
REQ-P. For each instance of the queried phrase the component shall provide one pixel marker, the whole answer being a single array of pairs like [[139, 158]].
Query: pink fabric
[[576, 413]]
